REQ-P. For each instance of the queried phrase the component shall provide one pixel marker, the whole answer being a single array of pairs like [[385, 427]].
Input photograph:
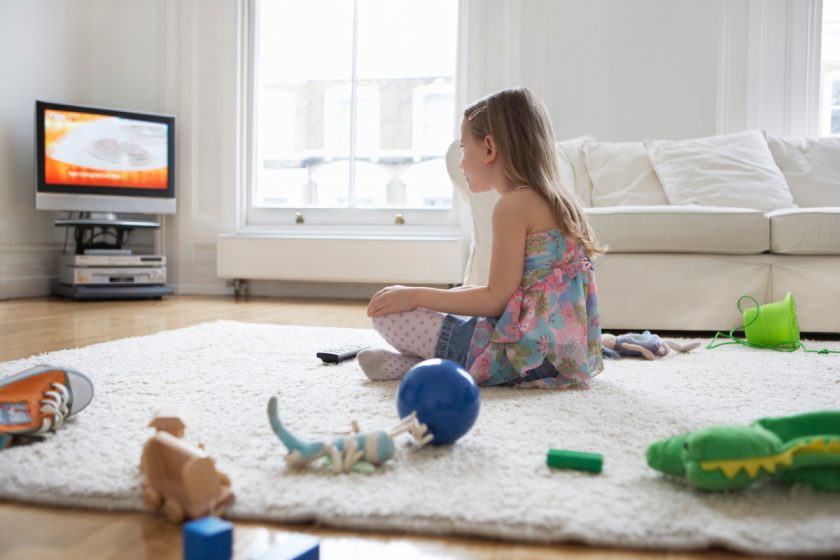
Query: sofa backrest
[[785, 172], [811, 167], [481, 211]]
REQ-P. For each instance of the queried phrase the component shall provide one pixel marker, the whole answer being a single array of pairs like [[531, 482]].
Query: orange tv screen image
[[104, 151]]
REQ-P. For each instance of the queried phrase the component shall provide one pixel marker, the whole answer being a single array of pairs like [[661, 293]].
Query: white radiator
[[432, 260]]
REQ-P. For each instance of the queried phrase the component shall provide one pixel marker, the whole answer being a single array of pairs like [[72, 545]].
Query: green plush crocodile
[[803, 449]]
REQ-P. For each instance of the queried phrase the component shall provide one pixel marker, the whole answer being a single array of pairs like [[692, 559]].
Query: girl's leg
[[382, 365], [413, 333]]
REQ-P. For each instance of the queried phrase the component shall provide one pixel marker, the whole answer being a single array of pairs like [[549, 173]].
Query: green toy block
[[577, 460]]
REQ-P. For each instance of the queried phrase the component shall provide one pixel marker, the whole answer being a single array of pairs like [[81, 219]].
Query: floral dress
[[549, 335]]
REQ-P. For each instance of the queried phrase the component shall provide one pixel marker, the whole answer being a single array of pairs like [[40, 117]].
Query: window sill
[[315, 231]]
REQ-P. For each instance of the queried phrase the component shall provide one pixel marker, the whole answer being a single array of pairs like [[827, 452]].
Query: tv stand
[[85, 230], [103, 269], [82, 292]]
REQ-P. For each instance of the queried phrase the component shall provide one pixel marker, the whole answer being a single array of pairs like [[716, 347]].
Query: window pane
[[401, 112], [415, 78], [304, 71], [830, 68]]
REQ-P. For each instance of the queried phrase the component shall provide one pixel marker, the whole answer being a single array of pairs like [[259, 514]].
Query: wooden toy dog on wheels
[[181, 477]]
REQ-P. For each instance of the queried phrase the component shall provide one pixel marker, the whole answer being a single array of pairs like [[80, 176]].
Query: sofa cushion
[[681, 229], [805, 231], [811, 167], [735, 170], [572, 150], [621, 174], [566, 172]]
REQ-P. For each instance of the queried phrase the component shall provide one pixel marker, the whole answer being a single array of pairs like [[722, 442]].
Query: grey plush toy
[[648, 346]]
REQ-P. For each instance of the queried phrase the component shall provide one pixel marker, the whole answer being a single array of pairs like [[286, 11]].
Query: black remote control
[[339, 354]]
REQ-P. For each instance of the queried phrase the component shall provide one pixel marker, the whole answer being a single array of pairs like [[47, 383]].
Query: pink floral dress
[[549, 335]]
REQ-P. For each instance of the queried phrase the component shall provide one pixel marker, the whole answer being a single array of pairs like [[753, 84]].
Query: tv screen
[[96, 159]]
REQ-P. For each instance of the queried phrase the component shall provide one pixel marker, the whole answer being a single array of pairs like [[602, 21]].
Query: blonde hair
[[519, 124]]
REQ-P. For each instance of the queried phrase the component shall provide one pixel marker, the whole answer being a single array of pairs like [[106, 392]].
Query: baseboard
[[202, 289], [26, 270]]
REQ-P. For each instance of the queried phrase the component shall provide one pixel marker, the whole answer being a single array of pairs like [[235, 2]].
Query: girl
[[536, 323]]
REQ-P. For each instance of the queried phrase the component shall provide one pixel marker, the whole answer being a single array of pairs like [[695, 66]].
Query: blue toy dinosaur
[[360, 452]]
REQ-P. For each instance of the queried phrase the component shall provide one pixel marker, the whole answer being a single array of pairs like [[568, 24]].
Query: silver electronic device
[[111, 275], [95, 260]]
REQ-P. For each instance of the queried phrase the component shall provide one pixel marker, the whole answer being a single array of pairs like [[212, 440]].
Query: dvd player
[[114, 260], [112, 275]]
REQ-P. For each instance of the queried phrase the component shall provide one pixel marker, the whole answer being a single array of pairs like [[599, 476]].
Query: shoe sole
[[81, 387]]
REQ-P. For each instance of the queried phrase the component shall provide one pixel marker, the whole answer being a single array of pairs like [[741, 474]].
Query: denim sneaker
[[40, 399]]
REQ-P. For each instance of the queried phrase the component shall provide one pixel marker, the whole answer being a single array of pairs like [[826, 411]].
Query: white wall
[[74, 51], [615, 69], [41, 56]]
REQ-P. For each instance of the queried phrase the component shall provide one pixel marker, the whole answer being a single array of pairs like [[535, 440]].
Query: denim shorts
[[454, 339], [454, 344]]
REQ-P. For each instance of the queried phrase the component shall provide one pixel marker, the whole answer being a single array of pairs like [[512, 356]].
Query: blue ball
[[445, 397]]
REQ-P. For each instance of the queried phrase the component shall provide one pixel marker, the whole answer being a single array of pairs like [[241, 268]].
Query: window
[[830, 69], [353, 111]]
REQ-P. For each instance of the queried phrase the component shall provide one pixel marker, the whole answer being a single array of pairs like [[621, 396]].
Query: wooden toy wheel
[[151, 498], [173, 510]]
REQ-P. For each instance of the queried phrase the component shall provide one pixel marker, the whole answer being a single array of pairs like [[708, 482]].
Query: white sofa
[[693, 225]]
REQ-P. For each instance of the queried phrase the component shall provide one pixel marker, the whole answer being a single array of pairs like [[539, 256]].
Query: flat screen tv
[[97, 160]]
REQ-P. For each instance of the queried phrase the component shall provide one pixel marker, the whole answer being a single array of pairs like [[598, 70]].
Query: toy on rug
[[575, 460], [648, 346], [358, 452], [39, 400], [443, 395], [208, 538], [772, 326], [800, 449], [181, 477]]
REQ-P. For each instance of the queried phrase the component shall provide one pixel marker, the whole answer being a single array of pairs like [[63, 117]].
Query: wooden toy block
[[169, 420], [208, 538]]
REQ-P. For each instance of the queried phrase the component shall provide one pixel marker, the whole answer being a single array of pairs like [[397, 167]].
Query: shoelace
[[55, 407]]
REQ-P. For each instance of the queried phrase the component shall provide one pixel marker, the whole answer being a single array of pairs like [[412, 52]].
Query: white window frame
[[328, 222], [769, 66]]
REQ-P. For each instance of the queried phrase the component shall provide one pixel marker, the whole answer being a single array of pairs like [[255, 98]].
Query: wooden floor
[[32, 326]]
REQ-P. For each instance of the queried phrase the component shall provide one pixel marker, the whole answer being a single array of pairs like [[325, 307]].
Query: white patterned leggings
[[413, 333]]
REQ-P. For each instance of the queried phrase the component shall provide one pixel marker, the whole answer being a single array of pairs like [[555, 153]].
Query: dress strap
[[522, 187]]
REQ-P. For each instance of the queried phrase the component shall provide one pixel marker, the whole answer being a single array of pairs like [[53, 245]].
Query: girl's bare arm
[[506, 266]]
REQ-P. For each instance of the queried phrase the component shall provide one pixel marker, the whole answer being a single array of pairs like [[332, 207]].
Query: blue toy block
[[294, 546], [208, 538]]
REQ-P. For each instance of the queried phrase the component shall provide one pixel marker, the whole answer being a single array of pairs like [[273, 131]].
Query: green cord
[[786, 346]]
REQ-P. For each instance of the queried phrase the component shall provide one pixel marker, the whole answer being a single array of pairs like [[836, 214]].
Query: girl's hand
[[393, 299]]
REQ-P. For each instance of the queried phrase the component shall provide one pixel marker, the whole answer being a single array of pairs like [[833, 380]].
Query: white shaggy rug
[[494, 482]]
